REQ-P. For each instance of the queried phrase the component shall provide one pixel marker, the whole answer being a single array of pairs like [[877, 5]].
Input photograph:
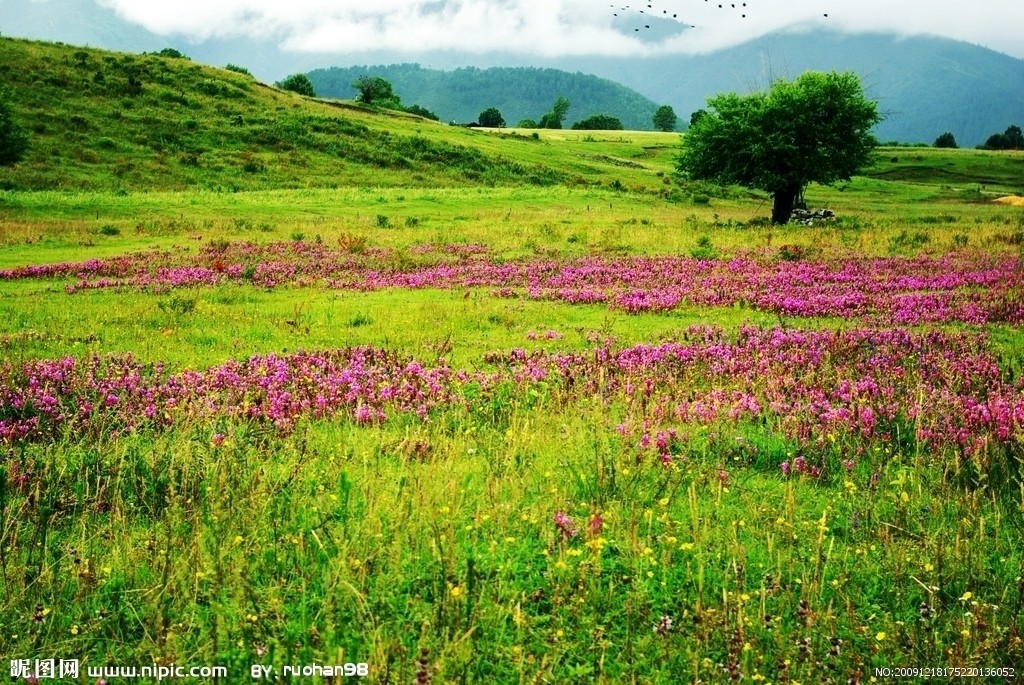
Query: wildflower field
[[665, 447], [577, 427]]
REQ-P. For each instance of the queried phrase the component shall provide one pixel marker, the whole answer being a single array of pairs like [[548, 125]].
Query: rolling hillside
[[518, 92], [100, 120], [104, 120]]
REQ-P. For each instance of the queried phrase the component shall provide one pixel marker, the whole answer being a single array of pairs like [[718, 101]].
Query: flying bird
[[728, 8]]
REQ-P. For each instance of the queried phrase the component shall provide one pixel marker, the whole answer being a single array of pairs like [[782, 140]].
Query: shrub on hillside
[[237, 69], [598, 122], [172, 53], [422, 112], [298, 83]]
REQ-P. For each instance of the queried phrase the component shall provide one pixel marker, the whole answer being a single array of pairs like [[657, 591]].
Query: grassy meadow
[[306, 383]]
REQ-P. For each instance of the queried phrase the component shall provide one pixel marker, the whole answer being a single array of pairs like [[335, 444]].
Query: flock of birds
[[649, 11]]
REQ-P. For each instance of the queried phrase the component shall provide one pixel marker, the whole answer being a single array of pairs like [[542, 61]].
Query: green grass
[[428, 550], [974, 174], [53, 226], [468, 324]]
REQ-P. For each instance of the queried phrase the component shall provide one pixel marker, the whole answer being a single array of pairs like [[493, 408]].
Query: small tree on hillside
[[556, 116], [13, 138], [946, 140], [665, 118], [491, 118], [421, 111], [598, 122], [237, 69], [814, 129], [377, 91], [298, 83], [172, 53]]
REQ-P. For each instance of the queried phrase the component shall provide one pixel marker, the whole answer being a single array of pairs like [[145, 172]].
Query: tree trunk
[[782, 206], [800, 202]]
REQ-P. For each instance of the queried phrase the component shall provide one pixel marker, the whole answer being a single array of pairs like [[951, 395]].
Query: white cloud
[[551, 28]]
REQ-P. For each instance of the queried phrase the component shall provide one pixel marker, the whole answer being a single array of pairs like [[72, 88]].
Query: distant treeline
[[517, 92]]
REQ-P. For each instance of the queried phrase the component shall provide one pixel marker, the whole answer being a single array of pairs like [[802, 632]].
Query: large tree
[[13, 138], [665, 118], [814, 129]]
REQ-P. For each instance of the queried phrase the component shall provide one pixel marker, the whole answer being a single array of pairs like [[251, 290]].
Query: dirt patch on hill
[[617, 161], [1013, 200]]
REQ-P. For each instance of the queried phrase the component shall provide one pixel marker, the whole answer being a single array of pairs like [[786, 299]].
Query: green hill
[[103, 120], [518, 92], [99, 119]]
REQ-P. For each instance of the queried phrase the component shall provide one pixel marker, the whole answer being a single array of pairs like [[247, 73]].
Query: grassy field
[[443, 408]]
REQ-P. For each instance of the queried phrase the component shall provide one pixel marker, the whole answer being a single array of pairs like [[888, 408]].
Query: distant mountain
[[518, 92], [925, 85]]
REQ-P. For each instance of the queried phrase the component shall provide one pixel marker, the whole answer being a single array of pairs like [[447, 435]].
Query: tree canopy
[[816, 128], [556, 116], [298, 83], [421, 111], [947, 140], [1011, 139], [374, 90], [13, 138], [491, 118], [598, 122], [517, 92], [665, 118]]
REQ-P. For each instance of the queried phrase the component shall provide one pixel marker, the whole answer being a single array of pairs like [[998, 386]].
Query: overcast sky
[[553, 28]]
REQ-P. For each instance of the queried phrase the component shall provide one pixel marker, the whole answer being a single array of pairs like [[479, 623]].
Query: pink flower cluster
[[854, 388], [47, 399], [965, 287], [817, 389], [799, 466], [565, 525]]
